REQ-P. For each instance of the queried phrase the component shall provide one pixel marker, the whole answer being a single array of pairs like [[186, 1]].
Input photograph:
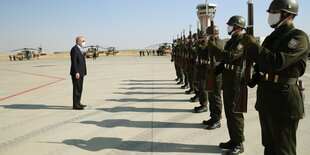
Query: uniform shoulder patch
[[240, 47], [293, 44]]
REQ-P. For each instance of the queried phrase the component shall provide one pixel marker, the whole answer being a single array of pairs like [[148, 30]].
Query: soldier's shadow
[[148, 80], [147, 93], [112, 123], [101, 143], [147, 88], [135, 109], [147, 100], [36, 107]]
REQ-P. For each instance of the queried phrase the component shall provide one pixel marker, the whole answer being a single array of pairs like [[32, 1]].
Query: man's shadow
[[36, 107], [101, 143], [112, 123]]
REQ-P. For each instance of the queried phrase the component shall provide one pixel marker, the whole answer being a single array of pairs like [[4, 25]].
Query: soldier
[[184, 65], [214, 97], [192, 56], [94, 53], [178, 62], [282, 60], [199, 46], [174, 59], [232, 55]]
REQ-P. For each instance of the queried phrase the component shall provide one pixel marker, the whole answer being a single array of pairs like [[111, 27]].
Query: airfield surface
[[134, 107]]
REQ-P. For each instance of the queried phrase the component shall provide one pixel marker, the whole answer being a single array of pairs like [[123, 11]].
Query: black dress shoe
[[200, 109], [78, 108], [83, 105], [214, 125], [177, 79]]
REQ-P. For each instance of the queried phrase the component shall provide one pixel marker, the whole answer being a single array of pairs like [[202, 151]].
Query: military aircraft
[[92, 50], [111, 50], [27, 53], [161, 48]]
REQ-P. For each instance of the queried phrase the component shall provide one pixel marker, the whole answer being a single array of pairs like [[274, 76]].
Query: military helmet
[[237, 20], [289, 6], [215, 31]]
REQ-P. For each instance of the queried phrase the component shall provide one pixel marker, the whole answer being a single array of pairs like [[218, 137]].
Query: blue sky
[[126, 24]]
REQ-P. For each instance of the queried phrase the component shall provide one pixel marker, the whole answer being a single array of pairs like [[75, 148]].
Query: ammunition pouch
[[232, 67], [278, 79]]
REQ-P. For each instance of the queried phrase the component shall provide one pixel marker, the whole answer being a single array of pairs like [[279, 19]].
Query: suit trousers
[[77, 90]]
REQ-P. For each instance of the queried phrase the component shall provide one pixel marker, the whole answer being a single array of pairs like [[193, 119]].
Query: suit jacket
[[78, 64]]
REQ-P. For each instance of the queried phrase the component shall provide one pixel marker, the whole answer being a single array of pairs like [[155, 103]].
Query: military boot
[[227, 146], [200, 109], [236, 149], [185, 86], [190, 91], [194, 98], [212, 124], [180, 82]]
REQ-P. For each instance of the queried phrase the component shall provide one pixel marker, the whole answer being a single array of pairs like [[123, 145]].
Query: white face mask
[[230, 29], [83, 44], [274, 19]]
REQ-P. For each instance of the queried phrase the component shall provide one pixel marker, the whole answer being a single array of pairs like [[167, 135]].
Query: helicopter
[[111, 50], [27, 53], [92, 51], [161, 48]]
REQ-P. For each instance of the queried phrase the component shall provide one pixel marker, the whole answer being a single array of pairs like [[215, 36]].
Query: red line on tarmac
[[35, 88]]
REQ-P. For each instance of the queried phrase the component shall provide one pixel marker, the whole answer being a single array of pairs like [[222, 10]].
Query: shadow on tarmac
[[147, 100], [154, 84], [36, 107], [147, 93], [134, 109], [148, 80], [133, 88], [112, 123], [101, 143]]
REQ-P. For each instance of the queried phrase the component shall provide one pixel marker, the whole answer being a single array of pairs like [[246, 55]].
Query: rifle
[[185, 54], [197, 69], [209, 84], [241, 101]]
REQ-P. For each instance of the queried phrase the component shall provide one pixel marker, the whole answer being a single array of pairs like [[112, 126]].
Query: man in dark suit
[[77, 72]]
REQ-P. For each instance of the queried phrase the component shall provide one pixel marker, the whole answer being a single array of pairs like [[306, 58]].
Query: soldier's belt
[[278, 79], [231, 67]]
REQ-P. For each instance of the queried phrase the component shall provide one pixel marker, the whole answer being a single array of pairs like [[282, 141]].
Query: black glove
[[248, 41], [219, 69]]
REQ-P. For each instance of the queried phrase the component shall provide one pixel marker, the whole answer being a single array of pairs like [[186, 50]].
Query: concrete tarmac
[[134, 107]]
